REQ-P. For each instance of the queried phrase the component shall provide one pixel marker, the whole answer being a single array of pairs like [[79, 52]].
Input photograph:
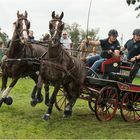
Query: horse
[[61, 69], [17, 63]]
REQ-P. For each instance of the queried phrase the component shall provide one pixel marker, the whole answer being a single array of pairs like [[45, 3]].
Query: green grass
[[20, 120]]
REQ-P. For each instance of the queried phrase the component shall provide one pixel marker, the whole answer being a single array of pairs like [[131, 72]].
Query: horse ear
[[62, 15], [53, 14], [18, 15], [26, 14]]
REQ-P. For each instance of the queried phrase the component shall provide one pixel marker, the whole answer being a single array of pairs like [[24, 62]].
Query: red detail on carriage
[[109, 61], [135, 88], [123, 86], [128, 87]]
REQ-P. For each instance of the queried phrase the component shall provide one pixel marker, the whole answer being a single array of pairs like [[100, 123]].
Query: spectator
[[31, 36], [66, 41], [85, 48], [46, 37]]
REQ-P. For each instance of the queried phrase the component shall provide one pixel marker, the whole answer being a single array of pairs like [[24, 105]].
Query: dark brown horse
[[61, 69], [16, 68]]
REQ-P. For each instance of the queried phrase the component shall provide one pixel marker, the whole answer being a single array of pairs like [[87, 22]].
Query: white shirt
[[66, 42]]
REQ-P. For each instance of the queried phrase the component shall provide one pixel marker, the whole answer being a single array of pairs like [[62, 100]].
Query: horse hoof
[[46, 117], [8, 100], [33, 103], [67, 113]]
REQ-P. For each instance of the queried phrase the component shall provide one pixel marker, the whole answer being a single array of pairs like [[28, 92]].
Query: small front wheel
[[61, 100], [106, 104]]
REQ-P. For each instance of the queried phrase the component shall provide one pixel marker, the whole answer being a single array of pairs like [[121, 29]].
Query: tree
[[133, 2], [77, 34], [3, 38]]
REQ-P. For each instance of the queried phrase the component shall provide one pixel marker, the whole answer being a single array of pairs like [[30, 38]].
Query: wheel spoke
[[63, 103], [60, 99]]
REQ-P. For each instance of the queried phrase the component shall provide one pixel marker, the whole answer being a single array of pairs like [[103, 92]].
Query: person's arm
[[95, 43], [122, 48], [116, 53], [135, 58]]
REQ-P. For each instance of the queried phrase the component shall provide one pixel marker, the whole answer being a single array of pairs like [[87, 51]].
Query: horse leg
[[37, 88], [51, 102], [34, 92], [7, 90], [4, 82], [46, 87], [35, 78], [72, 97]]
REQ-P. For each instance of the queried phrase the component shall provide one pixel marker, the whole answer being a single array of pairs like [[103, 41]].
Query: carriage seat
[[110, 65]]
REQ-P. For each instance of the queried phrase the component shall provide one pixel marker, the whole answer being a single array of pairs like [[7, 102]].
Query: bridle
[[59, 31], [19, 31]]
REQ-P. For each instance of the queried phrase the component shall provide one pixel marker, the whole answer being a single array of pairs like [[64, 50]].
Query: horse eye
[[17, 24], [28, 24], [50, 25], [62, 26]]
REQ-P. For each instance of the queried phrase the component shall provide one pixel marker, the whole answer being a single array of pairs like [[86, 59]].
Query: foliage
[[134, 2], [21, 121], [3, 38], [77, 34]]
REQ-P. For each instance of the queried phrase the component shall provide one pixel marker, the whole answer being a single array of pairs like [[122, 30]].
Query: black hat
[[136, 32], [113, 32]]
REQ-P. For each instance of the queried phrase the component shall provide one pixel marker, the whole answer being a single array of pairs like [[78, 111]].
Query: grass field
[[21, 121]]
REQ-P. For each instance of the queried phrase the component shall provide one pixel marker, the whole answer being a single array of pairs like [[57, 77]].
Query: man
[[110, 47], [66, 41], [133, 48]]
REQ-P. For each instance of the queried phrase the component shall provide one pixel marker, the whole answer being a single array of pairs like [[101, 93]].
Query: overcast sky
[[104, 14]]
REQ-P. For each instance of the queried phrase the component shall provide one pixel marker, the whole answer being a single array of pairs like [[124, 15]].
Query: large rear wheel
[[130, 107]]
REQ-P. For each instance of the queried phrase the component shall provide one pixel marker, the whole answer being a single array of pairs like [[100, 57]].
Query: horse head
[[56, 27], [21, 27]]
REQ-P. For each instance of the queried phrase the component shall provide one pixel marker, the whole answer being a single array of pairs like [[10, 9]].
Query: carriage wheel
[[91, 101], [61, 100], [106, 104], [91, 72], [130, 107], [91, 104]]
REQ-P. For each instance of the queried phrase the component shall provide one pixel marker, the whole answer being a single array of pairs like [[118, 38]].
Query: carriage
[[106, 96]]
